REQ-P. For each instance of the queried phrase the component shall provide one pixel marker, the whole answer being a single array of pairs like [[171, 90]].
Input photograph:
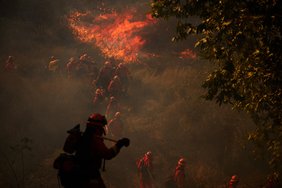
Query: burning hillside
[[116, 34]]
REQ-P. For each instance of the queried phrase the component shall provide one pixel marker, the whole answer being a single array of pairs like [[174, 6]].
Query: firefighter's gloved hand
[[123, 142]]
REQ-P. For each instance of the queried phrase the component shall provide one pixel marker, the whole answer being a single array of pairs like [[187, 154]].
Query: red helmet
[[120, 65], [181, 161], [148, 154], [116, 77], [108, 64], [99, 91], [97, 119], [117, 115], [234, 179]]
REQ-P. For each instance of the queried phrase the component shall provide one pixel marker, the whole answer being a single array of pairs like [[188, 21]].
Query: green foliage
[[244, 40]]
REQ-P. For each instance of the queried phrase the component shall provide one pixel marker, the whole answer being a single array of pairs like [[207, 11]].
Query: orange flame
[[116, 35]]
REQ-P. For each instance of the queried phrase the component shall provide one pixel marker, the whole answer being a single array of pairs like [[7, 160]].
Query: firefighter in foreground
[[92, 151]]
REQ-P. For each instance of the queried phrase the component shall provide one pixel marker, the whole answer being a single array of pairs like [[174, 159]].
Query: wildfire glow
[[188, 53], [115, 34]]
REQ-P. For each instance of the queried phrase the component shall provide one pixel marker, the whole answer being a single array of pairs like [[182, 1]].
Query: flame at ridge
[[116, 35], [188, 53]]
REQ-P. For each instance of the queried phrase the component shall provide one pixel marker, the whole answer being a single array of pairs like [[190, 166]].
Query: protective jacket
[[89, 156], [145, 170]]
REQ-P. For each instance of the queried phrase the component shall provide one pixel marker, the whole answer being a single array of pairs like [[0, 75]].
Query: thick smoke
[[163, 113]]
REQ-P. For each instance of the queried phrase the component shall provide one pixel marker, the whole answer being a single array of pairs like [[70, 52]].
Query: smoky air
[[161, 104]]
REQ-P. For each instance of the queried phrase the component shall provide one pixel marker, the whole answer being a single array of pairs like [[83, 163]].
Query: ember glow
[[115, 34], [188, 53]]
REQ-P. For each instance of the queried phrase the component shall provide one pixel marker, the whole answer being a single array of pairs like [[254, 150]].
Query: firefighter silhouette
[[91, 152]]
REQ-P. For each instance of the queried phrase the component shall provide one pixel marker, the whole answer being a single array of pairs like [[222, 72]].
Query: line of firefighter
[[109, 80], [146, 174], [110, 83]]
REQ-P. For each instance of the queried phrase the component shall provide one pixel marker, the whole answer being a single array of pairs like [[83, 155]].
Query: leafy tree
[[243, 38]]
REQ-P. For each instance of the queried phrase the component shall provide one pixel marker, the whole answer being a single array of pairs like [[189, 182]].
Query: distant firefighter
[[82, 66], [115, 87], [10, 64], [105, 75], [71, 67], [99, 100], [177, 179], [123, 73], [179, 174], [116, 125], [93, 69], [84, 58], [145, 171], [233, 183], [112, 107], [53, 65]]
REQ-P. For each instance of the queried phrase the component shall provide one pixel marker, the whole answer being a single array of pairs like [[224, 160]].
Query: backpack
[[66, 163], [72, 141]]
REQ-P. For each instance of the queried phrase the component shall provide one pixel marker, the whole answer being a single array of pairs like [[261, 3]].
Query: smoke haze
[[163, 113]]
